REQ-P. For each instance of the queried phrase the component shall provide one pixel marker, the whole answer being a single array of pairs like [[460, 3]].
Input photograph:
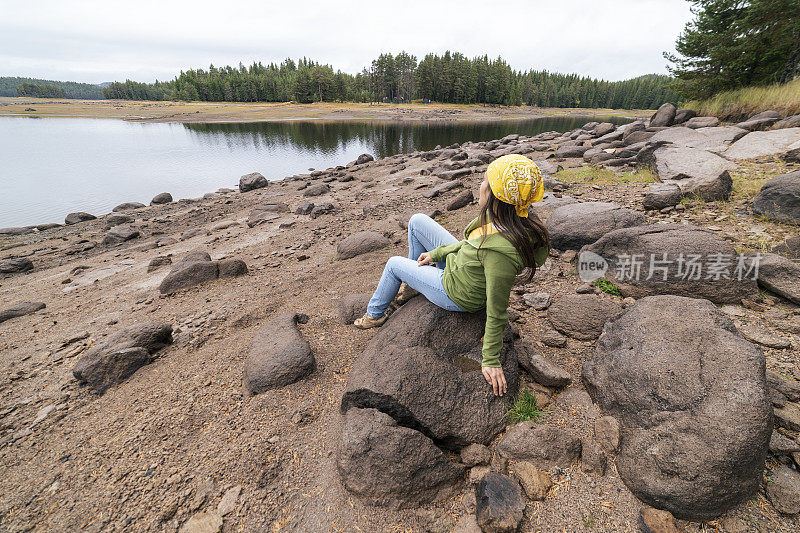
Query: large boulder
[[317, 189], [353, 306], [364, 158], [674, 259], [698, 172], [161, 198], [582, 316], [544, 208], [783, 490], [120, 234], [425, 361], [575, 225], [760, 121], [127, 206], [761, 143], [571, 150], [185, 274], [702, 122], [690, 395], [779, 198], [682, 115], [80, 216], [21, 309], [389, 465], [19, 264], [711, 139], [359, 243], [252, 181], [278, 355], [118, 356], [664, 116], [788, 122], [780, 275]]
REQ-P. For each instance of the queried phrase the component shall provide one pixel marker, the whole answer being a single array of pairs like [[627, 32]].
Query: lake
[[53, 166]]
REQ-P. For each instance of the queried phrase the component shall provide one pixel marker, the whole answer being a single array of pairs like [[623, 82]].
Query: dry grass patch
[[744, 103], [603, 176]]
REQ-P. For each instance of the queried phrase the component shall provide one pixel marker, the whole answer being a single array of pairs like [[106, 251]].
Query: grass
[[607, 287], [524, 408], [746, 102], [604, 176]]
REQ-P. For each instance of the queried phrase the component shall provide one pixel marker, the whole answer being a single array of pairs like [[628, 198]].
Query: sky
[[98, 41]]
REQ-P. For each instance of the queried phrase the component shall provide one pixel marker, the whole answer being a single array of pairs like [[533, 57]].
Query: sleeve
[[439, 253], [540, 255], [499, 279]]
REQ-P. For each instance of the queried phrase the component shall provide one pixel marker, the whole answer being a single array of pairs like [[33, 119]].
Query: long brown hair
[[525, 234]]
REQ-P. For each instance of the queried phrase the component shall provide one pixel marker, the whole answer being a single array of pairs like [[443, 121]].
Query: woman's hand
[[495, 378], [424, 259]]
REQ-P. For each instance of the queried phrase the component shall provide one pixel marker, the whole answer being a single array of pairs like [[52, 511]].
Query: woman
[[477, 272]]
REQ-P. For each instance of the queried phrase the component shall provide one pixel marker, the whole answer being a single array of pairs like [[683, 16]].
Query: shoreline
[[240, 112]]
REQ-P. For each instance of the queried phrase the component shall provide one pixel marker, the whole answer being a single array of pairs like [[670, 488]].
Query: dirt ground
[[172, 439], [191, 112]]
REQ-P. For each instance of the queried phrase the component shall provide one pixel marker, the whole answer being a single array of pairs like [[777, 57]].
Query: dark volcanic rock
[[779, 199], [119, 234], [127, 206], [359, 243], [582, 316], [121, 354], [317, 189], [188, 274], [545, 445], [665, 116], [425, 361], [158, 262], [230, 268], [20, 264], [304, 209], [353, 306], [75, 218], [387, 464], [699, 248], [252, 181], [278, 355], [117, 220], [364, 158], [575, 225], [21, 309], [783, 490], [540, 368], [690, 395], [161, 198], [462, 200], [500, 504]]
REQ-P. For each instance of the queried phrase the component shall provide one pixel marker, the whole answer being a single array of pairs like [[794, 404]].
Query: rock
[[657, 521], [783, 490], [321, 210], [582, 316], [75, 218], [476, 474], [546, 446], [304, 209], [665, 116], [788, 417], [118, 356], [386, 464], [188, 274], [158, 262], [278, 355], [702, 122], [571, 150], [606, 431], [779, 198], [779, 444], [119, 234], [188, 234], [759, 335], [444, 187], [538, 300], [128, 206], [318, 189], [593, 460], [21, 309], [228, 502], [17, 231], [789, 248], [551, 337], [534, 482], [203, 523], [161, 198], [787, 386], [462, 200], [468, 523], [691, 395], [540, 368], [117, 220], [682, 115], [425, 361], [762, 143], [575, 225], [229, 268], [662, 195], [703, 253], [364, 158], [791, 156], [779, 275], [715, 140], [761, 121], [475, 454], [360, 243], [12, 266], [194, 257], [353, 306], [252, 181], [789, 122], [499, 504], [544, 208], [266, 212], [698, 172]]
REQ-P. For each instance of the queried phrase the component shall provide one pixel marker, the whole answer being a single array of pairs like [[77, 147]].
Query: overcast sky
[[97, 41]]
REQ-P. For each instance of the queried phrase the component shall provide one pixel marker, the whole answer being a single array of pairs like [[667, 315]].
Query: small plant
[[524, 408], [607, 287], [588, 521]]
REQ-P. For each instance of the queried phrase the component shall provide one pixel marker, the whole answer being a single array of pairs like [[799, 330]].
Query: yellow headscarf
[[516, 180]]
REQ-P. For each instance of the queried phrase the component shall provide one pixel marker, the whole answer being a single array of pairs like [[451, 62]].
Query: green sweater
[[475, 279]]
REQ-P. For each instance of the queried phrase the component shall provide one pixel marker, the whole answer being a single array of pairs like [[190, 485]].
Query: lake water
[[53, 166]]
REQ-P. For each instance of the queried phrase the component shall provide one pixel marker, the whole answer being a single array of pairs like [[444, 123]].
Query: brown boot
[[405, 294], [366, 321]]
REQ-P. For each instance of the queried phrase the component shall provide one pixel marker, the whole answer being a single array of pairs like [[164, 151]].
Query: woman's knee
[[394, 262], [416, 219]]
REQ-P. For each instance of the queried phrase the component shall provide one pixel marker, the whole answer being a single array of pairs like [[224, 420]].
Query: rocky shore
[[190, 365]]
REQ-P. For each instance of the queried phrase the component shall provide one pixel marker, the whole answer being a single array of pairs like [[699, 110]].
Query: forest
[[447, 78], [10, 86]]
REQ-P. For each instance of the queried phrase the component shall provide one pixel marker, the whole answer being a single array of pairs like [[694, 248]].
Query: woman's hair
[[525, 234]]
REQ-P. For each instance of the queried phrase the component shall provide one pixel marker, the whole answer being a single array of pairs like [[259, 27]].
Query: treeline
[[39, 90], [10, 86], [449, 78]]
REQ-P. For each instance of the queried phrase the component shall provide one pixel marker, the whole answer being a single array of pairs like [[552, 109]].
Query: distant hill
[[72, 89]]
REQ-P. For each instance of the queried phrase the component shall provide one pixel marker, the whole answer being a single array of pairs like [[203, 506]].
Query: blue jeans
[[424, 234]]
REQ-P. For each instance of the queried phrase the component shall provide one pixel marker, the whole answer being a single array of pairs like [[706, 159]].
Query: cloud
[[100, 41]]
